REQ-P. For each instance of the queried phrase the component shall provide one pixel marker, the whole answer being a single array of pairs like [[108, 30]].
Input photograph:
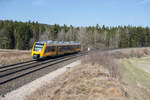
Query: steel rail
[[24, 67], [10, 65], [40, 67]]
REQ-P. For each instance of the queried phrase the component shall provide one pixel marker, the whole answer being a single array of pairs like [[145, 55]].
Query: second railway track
[[13, 72]]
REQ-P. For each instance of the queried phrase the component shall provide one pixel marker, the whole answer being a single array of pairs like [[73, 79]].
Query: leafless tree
[[46, 35], [83, 37], [61, 35]]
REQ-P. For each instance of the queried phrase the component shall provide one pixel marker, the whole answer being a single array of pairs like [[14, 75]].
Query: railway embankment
[[26, 90], [110, 75], [114, 75], [16, 75]]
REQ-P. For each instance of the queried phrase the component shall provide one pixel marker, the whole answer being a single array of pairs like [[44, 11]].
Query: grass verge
[[137, 79]]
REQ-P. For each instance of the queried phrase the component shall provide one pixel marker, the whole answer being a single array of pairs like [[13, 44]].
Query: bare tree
[[83, 37], [69, 35], [61, 35], [46, 35]]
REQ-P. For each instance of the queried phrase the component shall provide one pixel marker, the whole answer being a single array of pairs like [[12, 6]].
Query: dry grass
[[86, 82], [130, 53], [89, 81], [137, 79], [106, 60], [98, 78], [13, 56]]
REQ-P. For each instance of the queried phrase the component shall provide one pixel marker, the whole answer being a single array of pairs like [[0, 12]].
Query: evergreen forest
[[22, 35]]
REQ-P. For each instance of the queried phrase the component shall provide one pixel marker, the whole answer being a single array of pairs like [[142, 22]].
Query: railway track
[[16, 75], [12, 72], [21, 63]]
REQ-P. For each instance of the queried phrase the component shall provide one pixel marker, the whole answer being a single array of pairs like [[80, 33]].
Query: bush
[[106, 60]]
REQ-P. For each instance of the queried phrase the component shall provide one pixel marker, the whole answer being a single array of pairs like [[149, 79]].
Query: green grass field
[[137, 79]]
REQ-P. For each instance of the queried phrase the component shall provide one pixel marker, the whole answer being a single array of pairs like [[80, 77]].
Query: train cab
[[38, 50]]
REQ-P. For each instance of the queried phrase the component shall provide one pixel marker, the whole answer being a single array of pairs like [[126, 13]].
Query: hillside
[[102, 76]]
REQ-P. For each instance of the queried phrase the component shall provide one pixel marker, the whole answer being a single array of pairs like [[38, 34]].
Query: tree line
[[22, 35]]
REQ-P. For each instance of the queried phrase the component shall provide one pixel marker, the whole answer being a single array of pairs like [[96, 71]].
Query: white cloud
[[38, 2], [144, 1]]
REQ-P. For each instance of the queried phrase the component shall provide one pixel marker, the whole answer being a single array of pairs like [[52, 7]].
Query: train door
[[56, 50]]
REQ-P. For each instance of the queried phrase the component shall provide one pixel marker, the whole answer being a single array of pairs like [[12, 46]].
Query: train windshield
[[38, 47]]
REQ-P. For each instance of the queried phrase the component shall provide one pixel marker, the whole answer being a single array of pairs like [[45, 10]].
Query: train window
[[61, 48], [64, 48], [47, 49], [71, 48], [50, 49], [38, 47], [78, 46], [68, 48]]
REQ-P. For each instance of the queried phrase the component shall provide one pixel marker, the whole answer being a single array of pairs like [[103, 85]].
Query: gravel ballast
[[22, 92]]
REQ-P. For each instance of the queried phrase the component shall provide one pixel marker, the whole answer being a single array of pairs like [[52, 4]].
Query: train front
[[38, 50]]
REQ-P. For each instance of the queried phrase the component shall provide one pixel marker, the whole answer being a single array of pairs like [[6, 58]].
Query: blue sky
[[78, 12]]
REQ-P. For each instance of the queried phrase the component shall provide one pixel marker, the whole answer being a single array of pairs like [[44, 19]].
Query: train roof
[[59, 42]]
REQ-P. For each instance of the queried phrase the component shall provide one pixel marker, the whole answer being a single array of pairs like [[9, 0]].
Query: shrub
[[106, 60]]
